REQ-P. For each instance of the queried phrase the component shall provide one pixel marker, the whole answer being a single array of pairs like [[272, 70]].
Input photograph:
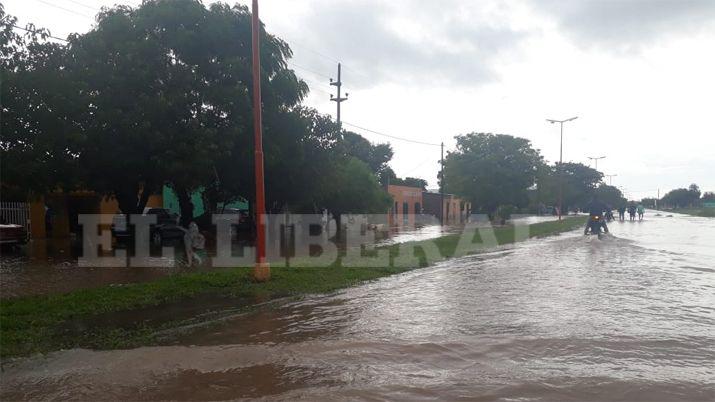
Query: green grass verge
[[39, 323], [705, 212]]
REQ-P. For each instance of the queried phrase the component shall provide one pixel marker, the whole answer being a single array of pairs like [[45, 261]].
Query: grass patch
[[705, 212], [38, 323]]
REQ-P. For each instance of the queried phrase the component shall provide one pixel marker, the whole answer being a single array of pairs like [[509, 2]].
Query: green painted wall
[[171, 202]]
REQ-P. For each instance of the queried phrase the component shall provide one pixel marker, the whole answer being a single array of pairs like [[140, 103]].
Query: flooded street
[[628, 318]]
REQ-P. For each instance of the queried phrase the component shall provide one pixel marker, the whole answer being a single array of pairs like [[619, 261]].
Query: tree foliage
[[161, 94], [578, 182], [490, 170], [682, 197]]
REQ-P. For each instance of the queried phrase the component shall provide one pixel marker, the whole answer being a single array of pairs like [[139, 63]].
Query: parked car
[[12, 234], [166, 226]]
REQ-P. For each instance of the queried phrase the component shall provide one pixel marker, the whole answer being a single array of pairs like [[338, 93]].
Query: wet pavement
[[631, 317]]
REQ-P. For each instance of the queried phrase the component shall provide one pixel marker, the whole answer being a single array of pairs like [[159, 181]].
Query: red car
[[12, 234]]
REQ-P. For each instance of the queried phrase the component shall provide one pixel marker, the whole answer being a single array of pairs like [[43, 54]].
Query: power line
[[82, 4], [290, 63], [38, 32], [65, 9], [391, 136]]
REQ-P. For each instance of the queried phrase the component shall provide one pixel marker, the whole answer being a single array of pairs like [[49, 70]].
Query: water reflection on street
[[564, 318]]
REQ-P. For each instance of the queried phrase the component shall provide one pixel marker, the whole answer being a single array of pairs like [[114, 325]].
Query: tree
[[353, 189], [708, 196], [649, 202], [694, 191], [610, 195], [375, 156], [40, 135], [491, 170], [681, 197], [578, 181], [410, 181]]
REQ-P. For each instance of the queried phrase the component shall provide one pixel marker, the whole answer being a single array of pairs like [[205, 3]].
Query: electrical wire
[[69, 10], [394, 137], [38, 32]]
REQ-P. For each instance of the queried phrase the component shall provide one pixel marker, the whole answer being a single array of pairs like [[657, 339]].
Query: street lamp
[[596, 158], [561, 159], [610, 178]]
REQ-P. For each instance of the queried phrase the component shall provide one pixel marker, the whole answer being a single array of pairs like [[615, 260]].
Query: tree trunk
[[338, 225], [185, 205]]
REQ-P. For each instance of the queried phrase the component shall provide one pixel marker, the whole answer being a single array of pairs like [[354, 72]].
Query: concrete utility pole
[[338, 99], [596, 158], [610, 178], [261, 271], [441, 185], [561, 160]]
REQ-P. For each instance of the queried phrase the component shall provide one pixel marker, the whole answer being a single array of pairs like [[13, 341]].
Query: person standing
[[622, 213], [194, 242]]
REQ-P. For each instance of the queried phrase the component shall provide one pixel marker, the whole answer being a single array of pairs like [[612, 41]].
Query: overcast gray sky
[[638, 73]]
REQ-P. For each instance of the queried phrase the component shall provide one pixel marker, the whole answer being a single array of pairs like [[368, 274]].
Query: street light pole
[[596, 158], [610, 178], [561, 160], [261, 271]]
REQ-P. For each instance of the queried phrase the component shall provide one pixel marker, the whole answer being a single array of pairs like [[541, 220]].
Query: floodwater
[[628, 318], [47, 266]]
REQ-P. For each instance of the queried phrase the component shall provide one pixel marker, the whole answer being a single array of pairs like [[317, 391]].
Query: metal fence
[[15, 212]]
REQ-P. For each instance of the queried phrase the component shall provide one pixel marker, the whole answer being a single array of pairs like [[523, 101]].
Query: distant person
[[609, 213], [194, 243], [622, 213], [632, 212], [641, 211], [596, 208]]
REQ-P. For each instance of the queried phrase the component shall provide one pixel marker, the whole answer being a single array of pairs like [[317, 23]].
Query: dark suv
[[166, 226]]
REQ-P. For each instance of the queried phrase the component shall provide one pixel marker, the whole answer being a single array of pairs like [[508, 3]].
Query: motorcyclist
[[596, 208]]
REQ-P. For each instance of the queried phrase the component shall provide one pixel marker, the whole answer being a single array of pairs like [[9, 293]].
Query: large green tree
[[682, 197], [353, 188], [168, 94], [41, 136], [578, 181], [491, 170]]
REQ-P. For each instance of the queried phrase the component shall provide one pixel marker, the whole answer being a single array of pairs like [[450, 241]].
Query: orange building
[[406, 205]]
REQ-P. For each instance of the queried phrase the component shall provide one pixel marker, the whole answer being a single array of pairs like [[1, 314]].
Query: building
[[406, 205], [455, 209]]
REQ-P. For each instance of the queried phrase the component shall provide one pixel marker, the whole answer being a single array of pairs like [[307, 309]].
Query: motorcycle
[[595, 226]]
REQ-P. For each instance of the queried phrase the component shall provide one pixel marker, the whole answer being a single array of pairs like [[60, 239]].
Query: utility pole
[[657, 199], [338, 99], [561, 160], [610, 178], [261, 271], [441, 185], [596, 158]]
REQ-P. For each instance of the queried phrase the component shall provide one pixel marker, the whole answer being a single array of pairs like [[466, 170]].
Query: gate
[[15, 212]]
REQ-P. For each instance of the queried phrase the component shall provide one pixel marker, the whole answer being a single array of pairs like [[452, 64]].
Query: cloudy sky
[[639, 74]]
